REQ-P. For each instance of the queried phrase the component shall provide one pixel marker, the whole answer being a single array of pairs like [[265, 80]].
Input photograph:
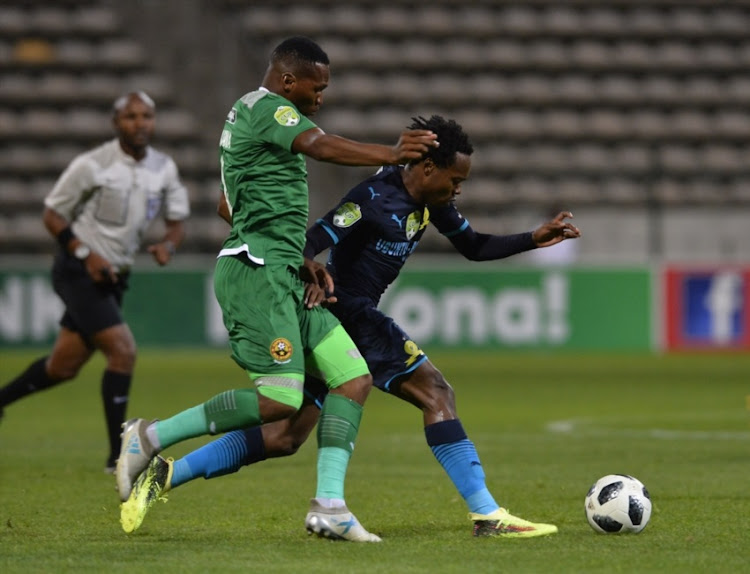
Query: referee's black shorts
[[89, 307]]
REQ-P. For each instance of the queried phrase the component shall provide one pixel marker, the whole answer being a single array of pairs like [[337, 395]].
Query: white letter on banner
[[517, 316], [555, 286], [415, 311], [464, 310]]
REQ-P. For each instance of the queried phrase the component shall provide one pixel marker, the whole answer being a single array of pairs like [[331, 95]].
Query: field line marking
[[583, 427]]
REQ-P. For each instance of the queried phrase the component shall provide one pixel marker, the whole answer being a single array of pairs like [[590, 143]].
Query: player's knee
[[120, 350], [440, 395], [125, 351], [443, 388], [285, 444], [59, 372], [355, 389]]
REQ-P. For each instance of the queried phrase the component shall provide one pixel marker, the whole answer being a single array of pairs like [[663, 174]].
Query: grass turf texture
[[546, 427]]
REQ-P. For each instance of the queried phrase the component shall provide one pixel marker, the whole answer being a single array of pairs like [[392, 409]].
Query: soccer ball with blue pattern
[[618, 503]]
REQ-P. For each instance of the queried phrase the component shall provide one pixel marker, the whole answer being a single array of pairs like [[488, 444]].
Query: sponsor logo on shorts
[[281, 350], [414, 352], [287, 116], [232, 116]]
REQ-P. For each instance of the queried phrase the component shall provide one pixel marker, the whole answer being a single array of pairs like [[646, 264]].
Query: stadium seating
[[584, 103], [62, 64]]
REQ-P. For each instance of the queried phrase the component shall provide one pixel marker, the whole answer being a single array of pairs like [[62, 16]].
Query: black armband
[[65, 237]]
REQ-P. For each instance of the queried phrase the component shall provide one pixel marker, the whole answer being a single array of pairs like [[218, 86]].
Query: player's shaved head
[[298, 54]]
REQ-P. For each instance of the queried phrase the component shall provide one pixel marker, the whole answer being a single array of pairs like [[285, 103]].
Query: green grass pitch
[[545, 426]]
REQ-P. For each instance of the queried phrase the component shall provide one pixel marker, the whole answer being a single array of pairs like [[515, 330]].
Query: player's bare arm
[[222, 208], [96, 266], [317, 144]]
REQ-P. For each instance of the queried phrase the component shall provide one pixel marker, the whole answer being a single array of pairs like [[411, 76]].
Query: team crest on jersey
[[413, 224], [281, 350], [232, 116], [287, 116], [347, 215]]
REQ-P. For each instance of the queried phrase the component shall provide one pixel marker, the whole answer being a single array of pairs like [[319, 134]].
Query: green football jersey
[[264, 182]]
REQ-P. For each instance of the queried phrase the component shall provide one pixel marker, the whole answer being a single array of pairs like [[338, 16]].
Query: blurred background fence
[[633, 114]]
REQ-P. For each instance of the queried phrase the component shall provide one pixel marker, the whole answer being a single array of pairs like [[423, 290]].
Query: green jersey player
[[274, 335]]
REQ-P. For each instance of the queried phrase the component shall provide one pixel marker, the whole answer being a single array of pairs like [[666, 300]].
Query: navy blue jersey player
[[371, 233]]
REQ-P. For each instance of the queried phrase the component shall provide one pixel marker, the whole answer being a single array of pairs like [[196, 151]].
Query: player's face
[[442, 185], [307, 93], [135, 125]]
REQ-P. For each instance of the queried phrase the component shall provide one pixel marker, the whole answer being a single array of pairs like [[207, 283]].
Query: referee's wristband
[[65, 237]]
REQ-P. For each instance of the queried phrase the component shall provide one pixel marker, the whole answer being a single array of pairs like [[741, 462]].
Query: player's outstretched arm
[[477, 246], [411, 145]]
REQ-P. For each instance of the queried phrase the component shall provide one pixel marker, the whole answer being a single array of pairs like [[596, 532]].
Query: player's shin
[[220, 457], [458, 457], [337, 432]]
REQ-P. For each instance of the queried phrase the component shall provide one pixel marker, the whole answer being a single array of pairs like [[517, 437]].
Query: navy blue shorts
[[89, 307], [388, 350]]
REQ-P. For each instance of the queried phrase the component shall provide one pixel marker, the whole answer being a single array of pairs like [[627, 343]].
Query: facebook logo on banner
[[713, 307]]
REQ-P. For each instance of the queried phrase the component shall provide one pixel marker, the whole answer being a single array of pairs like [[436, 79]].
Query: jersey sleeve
[[177, 203], [69, 190], [354, 209], [478, 246], [279, 122], [448, 220]]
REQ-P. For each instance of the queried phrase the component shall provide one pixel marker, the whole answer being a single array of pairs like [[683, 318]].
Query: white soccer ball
[[618, 503]]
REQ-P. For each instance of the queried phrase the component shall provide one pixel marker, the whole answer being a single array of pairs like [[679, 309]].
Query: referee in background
[[98, 211]]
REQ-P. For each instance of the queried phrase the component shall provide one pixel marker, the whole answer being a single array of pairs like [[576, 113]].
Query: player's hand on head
[[555, 230], [413, 144]]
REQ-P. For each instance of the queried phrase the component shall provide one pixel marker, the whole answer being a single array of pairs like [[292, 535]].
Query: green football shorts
[[272, 334]]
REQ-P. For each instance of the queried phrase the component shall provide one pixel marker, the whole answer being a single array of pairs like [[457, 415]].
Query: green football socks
[[226, 411], [337, 430]]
